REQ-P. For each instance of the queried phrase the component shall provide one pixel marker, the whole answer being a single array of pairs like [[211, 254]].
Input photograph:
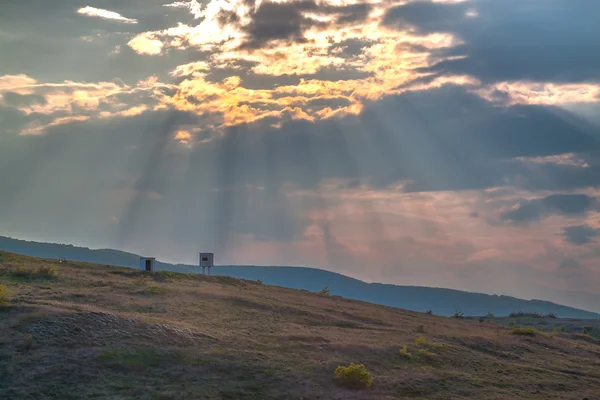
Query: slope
[[77, 330]]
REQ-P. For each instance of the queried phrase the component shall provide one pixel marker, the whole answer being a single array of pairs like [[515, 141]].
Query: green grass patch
[[138, 358]]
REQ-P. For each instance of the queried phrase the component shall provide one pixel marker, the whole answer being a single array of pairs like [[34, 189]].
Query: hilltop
[[77, 330], [440, 301]]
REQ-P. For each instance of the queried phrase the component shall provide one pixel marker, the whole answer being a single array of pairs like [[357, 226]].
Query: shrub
[[525, 314], [551, 315], [426, 354], [458, 314], [490, 315], [21, 272], [259, 281], [420, 329], [423, 342], [429, 312], [47, 271], [325, 291], [528, 331], [560, 329], [354, 376], [5, 296], [587, 330], [405, 353]]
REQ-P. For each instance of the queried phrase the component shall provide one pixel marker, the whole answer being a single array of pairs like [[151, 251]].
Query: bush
[[47, 271], [490, 315], [587, 330], [21, 272], [458, 314], [551, 315], [528, 331], [354, 376], [426, 354], [405, 353], [325, 291], [5, 296], [420, 329], [430, 312], [525, 314]]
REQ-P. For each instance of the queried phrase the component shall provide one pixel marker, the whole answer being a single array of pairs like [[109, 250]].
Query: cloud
[[146, 44], [580, 234], [510, 40], [106, 14], [561, 204]]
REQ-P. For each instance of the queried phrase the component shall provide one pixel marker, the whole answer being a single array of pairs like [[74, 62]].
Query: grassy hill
[[440, 301], [75, 330]]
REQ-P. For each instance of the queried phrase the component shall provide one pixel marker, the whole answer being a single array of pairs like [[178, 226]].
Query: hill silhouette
[[438, 300]]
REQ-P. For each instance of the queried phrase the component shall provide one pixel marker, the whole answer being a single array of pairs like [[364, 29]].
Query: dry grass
[[115, 333]]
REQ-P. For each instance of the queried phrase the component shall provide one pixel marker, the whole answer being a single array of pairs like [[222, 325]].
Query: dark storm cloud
[[279, 21], [286, 21], [352, 13], [542, 40], [580, 234], [561, 204]]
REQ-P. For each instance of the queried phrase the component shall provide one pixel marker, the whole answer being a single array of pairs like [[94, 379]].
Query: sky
[[440, 143]]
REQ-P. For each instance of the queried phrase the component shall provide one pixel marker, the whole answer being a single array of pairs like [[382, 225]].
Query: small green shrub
[[458, 314], [560, 329], [354, 376], [511, 323], [526, 331], [259, 281], [21, 272], [551, 315], [154, 289], [426, 355], [423, 342], [587, 330], [47, 271], [430, 312], [405, 353], [525, 314], [5, 296], [490, 315], [325, 291]]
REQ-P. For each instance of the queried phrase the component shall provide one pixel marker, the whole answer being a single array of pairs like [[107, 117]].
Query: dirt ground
[[85, 331]]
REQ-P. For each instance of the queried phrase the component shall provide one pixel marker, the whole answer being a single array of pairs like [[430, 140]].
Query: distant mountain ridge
[[440, 301]]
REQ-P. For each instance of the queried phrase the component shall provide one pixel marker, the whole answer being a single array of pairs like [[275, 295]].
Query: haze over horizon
[[439, 143]]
